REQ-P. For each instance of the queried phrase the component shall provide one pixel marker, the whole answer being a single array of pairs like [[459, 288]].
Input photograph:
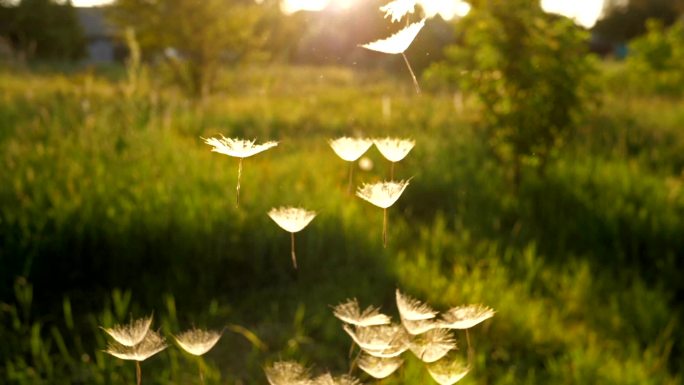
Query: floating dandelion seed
[[350, 150], [131, 334], [351, 313], [465, 317], [287, 373], [383, 195], [238, 148], [394, 149], [150, 345], [379, 367], [377, 338], [397, 9], [433, 345], [197, 341], [397, 44], [448, 371], [293, 220], [415, 327], [413, 310]]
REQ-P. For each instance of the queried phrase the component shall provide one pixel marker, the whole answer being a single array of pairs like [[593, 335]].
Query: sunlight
[[291, 6], [584, 12], [446, 9]]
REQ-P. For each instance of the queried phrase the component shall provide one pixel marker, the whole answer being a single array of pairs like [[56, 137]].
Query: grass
[[111, 205]]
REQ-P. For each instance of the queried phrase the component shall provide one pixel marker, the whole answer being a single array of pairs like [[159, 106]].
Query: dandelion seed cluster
[[137, 342], [429, 337]]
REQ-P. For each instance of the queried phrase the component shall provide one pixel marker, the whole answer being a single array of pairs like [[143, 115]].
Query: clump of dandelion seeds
[[238, 148], [197, 342], [292, 220], [150, 345], [394, 149], [350, 150], [383, 195]]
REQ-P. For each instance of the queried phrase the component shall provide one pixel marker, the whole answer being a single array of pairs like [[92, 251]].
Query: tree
[[194, 37], [529, 70], [43, 29]]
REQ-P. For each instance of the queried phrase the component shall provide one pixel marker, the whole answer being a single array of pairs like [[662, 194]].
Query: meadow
[[112, 207]]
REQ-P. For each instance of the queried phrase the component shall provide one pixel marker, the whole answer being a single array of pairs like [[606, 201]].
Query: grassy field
[[111, 206]]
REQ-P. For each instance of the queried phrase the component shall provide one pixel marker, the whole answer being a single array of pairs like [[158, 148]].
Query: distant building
[[102, 45]]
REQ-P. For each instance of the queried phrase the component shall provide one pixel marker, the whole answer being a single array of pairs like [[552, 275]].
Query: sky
[[585, 12]]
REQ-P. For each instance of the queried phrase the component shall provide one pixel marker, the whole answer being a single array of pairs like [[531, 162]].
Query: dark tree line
[[42, 29], [626, 20]]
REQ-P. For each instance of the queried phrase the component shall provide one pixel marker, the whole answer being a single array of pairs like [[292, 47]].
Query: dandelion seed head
[[465, 317], [197, 341], [394, 149], [382, 194], [413, 310], [291, 219], [351, 313], [448, 371], [379, 367], [397, 9], [397, 43], [350, 149], [287, 373], [239, 148], [152, 344], [132, 333], [432, 345]]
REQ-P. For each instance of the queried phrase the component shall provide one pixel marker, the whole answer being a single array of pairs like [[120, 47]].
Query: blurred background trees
[[530, 71], [195, 38], [42, 29]]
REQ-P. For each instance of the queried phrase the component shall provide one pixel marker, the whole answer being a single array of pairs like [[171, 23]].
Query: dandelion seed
[[448, 371], [465, 317], [379, 367], [383, 195], [433, 345], [351, 313], [293, 220], [377, 338], [238, 148], [394, 149], [131, 334], [350, 150], [413, 310], [397, 44], [150, 345], [397, 9], [415, 327], [197, 341], [287, 373]]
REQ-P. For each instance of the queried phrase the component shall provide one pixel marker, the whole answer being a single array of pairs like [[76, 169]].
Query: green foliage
[[43, 29], [530, 72], [195, 38], [656, 60]]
